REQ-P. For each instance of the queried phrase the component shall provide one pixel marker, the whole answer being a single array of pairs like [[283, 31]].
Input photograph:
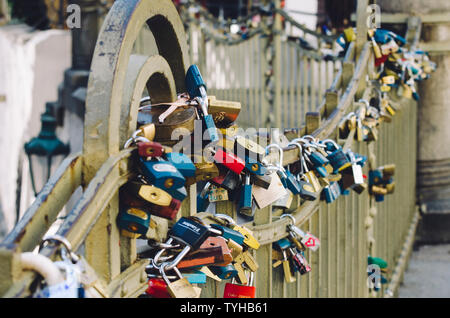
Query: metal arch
[[108, 71], [152, 72]]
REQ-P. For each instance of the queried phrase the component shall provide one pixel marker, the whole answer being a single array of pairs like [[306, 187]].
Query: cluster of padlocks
[[400, 67], [214, 245]]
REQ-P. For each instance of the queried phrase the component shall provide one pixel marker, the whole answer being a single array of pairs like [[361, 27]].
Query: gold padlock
[[223, 112], [180, 288], [204, 171], [378, 190]]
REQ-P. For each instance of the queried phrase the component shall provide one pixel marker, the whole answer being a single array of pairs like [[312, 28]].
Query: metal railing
[[349, 229]]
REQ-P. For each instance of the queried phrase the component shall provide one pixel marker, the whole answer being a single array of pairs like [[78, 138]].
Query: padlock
[[224, 113], [376, 48], [180, 288], [202, 256], [67, 283], [245, 199], [150, 149], [133, 222], [230, 234], [183, 163], [213, 241], [310, 177], [217, 194], [390, 47], [261, 181], [179, 194], [205, 171], [233, 290], [387, 171], [230, 181], [224, 272], [337, 157], [283, 245], [162, 174], [196, 88], [319, 162], [147, 131], [190, 233], [149, 199], [203, 198], [287, 178], [195, 277], [265, 197], [352, 175], [349, 35], [300, 263], [157, 288], [331, 192], [249, 240], [235, 248], [284, 202]]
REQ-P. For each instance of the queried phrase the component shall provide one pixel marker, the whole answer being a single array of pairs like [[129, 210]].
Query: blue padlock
[[245, 199], [133, 220], [224, 272], [228, 233], [332, 192], [282, 244], [203, 198], [182, 162], [195, 85], [255, 167], [338, 160], [162, 174], [196, 88], [195, 277]]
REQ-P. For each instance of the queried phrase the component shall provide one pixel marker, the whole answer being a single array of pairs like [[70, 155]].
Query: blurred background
[[44, 68]]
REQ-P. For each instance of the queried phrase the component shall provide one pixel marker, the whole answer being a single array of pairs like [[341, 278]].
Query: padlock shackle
[[61, 240], [174, 263], [289, 216], [225, 217]]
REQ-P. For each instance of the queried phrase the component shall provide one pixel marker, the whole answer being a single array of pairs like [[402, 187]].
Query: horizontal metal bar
[[45, 208]]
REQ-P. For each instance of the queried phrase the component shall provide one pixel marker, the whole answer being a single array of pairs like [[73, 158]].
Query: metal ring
[[280, 163], [289, 216], [62, 240]]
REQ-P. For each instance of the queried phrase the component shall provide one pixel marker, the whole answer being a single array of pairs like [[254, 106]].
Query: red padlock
[[157, 288], [381, 60], [150, 149], [229, 160], [240, 291]]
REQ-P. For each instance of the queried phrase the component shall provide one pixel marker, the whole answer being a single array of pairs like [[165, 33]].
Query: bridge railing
[[350, 229]]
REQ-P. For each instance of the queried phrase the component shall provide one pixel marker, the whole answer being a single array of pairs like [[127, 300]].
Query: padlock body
[[245, 200], [228, 233], [157, 288], [150, 149], [189, 232], [229, 160], [194, 81], [224, 272], [239, 291], [162, 174], [183, 163], [133, 220]]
